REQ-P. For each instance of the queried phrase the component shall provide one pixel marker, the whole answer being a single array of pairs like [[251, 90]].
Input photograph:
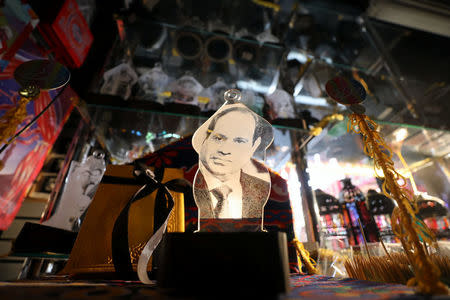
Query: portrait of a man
[[78, 192], [229, 183]]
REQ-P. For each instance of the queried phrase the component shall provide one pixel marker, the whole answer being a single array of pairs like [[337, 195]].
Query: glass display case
[[157, 85], [331, 156]]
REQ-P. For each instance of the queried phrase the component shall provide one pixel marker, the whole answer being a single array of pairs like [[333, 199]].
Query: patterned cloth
[[320, 287], [315, 287]]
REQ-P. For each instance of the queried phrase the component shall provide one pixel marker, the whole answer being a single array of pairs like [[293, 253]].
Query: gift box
[[65, 30], [120, 220]]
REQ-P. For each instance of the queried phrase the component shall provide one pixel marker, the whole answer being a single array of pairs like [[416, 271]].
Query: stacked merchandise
[[188, 94], [186, 69], [333, 229], [357, 219], [381, 208]]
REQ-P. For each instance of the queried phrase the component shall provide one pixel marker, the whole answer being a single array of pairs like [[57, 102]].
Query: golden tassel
[[408, 170], [303, 255], [15, 116], [404, 221]]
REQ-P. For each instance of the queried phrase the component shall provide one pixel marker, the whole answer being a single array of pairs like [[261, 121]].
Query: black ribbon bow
[[163, 206]]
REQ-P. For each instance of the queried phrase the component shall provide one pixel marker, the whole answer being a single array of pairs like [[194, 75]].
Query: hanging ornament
[[152, 84], [345, 91], [119, 80], [281, 105], [211, 98], [185, 89], [33, 76], [15, 116], [410, 230]]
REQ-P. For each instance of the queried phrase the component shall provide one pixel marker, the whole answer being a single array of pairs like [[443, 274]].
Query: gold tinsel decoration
[[405, 224], [15, 116], [316, 130], [303, 255]]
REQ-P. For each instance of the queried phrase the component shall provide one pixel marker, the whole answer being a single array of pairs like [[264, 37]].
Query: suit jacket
[[255, 193]]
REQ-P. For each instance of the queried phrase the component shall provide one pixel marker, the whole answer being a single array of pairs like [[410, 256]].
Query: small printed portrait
[[229, 183], [89, 179], [79, 190]]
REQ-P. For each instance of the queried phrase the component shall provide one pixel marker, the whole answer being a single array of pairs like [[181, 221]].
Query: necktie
[[221, 193]]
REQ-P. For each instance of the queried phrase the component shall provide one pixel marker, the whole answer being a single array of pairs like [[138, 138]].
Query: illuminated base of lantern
[[224, 263]]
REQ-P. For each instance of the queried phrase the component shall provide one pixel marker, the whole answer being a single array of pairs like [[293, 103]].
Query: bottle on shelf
[[381, 208], [333, 233], [354, 202]]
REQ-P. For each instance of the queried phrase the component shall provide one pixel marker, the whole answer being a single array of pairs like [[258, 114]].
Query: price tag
[[203, 99]]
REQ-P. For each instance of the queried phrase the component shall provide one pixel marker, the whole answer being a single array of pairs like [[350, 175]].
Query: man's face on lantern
[[229, 145]]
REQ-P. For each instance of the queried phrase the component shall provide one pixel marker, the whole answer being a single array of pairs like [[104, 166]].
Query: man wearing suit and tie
[[229, 183]]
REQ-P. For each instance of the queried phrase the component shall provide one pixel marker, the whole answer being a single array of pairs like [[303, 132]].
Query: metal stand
[[298, 157]]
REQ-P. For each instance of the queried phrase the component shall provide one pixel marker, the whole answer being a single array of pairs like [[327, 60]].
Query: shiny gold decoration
[[15, 116], [175, 224], [409, 173], [303, 255], [268, 4], [362, 81], [176, 219], [135, 252], [31, 91], [405, 224], [316, 130]]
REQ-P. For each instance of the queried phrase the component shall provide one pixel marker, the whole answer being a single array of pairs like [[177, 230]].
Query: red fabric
[[48, 120], [25, 157]]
